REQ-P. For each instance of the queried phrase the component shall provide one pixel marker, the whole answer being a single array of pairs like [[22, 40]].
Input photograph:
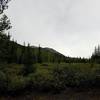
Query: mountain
[[12, 52], [52, 50], [49, 54]]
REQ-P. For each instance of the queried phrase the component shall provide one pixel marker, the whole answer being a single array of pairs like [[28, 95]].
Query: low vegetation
[[48, 77], [28, 68]]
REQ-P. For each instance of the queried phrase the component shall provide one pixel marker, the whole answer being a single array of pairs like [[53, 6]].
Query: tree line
[[12, 52]]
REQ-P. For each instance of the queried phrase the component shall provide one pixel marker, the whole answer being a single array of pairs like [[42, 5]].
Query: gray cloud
[[69, 26]]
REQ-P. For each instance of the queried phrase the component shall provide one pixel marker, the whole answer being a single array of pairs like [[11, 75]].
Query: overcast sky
[[72, 27]]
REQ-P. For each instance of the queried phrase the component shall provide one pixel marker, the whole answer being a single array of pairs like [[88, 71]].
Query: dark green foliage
[[59, 78], [39, 55], [4, 39], [42, 69], [3, 81], [3, 5], [28, 58], [4, 24], [96, 55], [4, 44], [48, 77], [28, 61], [16, 83]]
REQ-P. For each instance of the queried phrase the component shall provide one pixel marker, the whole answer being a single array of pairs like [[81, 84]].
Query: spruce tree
[[39, 55], [4, 39], [3, 5], [4, 25], [28, 61]]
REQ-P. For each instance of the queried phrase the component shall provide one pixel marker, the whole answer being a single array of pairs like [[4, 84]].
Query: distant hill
[[12, 52], [52, 50], [48, 49], [49, 54], [53, 55]]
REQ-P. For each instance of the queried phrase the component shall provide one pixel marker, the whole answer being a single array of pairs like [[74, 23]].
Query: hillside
[[12, 52]]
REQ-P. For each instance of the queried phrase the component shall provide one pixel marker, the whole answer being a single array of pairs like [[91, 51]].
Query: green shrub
[[48, 80], [41, 80], [3, 81], [27, 69], [54, 77], [16, 83], [59, 77]]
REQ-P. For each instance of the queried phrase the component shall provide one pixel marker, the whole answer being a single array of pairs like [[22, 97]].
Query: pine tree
[[3, 5], [4, 24], [4, 39], [96, 55], [39, 55], [28, 61]]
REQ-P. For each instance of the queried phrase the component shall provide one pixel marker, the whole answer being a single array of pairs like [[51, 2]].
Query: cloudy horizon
[[71, 27]]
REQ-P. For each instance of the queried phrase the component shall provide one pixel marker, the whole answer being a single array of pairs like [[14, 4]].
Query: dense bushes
[[48, 80], [41, 81], [48, 77], [59, 76], [16, 83], [3, 81]]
